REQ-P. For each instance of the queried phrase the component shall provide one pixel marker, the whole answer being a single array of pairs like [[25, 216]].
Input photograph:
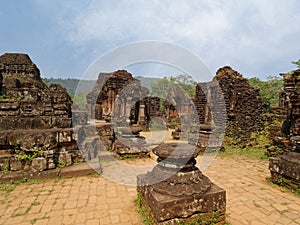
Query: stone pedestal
[[285, 170], [176, 190]]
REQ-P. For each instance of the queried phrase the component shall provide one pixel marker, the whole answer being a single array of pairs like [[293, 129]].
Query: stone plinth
[[176, 190], [286, 167]]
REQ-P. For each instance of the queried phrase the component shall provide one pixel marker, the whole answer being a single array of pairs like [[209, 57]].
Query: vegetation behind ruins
[[269, 90]]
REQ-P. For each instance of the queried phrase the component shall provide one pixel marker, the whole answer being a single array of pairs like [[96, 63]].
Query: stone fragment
[[16, 164], [38, 164]]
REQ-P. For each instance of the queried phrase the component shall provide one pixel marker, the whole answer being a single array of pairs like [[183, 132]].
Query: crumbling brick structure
[[101, 100], [244, 109], [35, 120], [119, 95], [285, 169], [120, 98]]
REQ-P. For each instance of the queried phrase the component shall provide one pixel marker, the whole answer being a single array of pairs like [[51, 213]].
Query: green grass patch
[[7, 187], [144, 211], [282, 183], [255, 148]]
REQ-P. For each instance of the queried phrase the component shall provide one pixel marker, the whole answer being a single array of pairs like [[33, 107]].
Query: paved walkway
[[96, 200]]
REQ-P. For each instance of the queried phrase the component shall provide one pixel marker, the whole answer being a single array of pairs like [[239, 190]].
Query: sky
[[257, 38]]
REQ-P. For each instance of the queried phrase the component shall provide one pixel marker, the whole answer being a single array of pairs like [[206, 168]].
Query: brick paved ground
[[96, 200]]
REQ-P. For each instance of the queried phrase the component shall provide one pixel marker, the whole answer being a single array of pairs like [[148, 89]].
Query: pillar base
[[167, 209]]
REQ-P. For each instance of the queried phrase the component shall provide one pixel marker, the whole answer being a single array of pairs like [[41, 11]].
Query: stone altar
[[176, 190]]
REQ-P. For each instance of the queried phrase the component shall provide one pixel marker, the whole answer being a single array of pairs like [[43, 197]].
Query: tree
[[187, 83], [80, 100], [297, 63], [269, 90], [161, 87]]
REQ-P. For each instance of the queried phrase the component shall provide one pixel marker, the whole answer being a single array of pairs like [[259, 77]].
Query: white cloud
[[247, 34], [121, 21]]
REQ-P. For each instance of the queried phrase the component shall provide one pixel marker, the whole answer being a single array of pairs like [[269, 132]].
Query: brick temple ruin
[[120, 100], [285, 169], [120, 96], [243, 112], [35, 120], [244, 106], [226, 100]]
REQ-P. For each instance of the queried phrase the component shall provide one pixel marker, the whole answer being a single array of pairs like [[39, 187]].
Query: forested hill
[[86, 86], [269, 90], [71, 84]]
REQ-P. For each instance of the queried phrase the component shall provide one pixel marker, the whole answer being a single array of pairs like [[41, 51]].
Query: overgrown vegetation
[[269, 90], [284, 184], [161, 87], [145, 212], [61, 164], [255, 148], [30, 155], [7, 99], [79, 99]]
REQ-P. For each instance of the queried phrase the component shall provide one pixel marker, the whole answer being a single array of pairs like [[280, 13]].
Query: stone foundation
[[172, 209], [52, 146]]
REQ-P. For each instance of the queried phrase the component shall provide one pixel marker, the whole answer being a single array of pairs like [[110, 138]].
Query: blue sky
[[255, 37]]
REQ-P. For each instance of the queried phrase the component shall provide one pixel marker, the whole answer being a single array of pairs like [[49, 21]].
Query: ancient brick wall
[[285, 169], [18, 70], [244, 107], [35, 120]]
